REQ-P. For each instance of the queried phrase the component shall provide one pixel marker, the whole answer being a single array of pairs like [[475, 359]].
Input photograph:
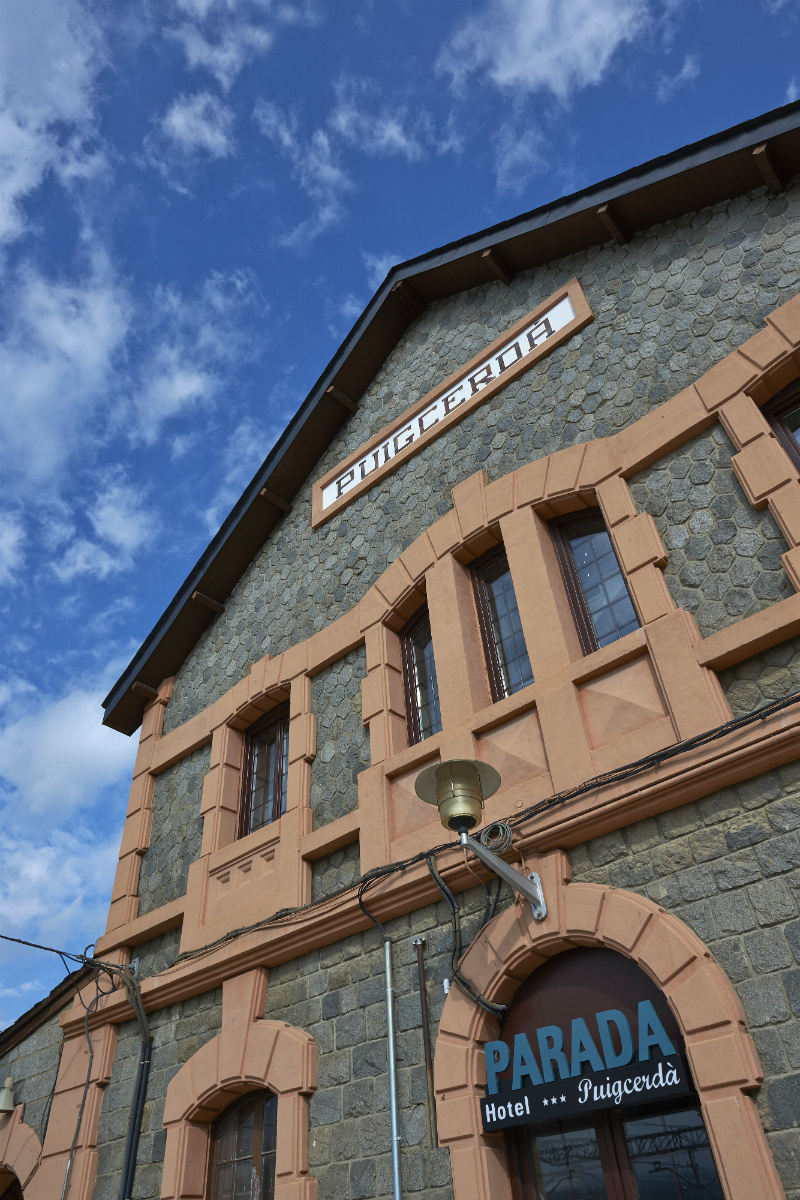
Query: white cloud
[[376, 128], [378, 267], [11, 539], [57, 362], [531, 45], [82, 759], [314, 165], [122, 525], [50, 54], [199, 124], [668, 85], [518, 156], [223, 36], [792, 90], [245, 450]]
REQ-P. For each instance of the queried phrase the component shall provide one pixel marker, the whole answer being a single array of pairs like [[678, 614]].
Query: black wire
[[466, 985]]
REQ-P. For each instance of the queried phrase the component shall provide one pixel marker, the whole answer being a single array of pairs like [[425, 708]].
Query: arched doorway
[[9, 1185], [597, 1056]]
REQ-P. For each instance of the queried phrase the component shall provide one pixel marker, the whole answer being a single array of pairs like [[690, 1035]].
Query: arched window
[[596, 1097], [243, 1149]]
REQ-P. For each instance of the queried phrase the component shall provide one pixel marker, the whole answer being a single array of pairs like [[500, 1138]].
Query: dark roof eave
[[442, 271]]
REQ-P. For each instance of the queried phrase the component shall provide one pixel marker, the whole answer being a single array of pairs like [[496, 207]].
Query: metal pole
[[426, 1038], [392, 1056]]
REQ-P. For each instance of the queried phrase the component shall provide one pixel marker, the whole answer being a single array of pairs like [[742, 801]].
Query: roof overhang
[[763, 151]]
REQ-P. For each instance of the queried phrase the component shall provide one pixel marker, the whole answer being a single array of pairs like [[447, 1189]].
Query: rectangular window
[[266, 762], [598, 594], [783, 414], [419, 671], [506, 653]]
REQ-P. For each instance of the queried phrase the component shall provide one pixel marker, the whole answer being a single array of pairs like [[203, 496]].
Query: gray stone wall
[[158, 953], [768, 676], [33, 1065], [335, 871], [668, 305], [724, 556], [729, 866], [337, 994], [342, 738], [178, 1032], [177, 831]]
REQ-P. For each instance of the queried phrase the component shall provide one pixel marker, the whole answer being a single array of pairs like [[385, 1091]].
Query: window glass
[[244, 1150], [671, 1158], [792, 422], [609, 606], [422, 692], [270, 759], [566, 1166], [505, 627]]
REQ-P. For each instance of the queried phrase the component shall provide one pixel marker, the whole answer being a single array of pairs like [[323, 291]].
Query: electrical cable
[[466, 985]]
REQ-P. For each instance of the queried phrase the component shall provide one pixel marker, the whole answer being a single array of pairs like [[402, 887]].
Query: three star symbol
[[554, 1100]]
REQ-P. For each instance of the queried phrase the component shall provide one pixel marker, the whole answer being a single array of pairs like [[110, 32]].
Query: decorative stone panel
[[765, 677], [176, 834], [724, 557], [342, 738], [335, 871]]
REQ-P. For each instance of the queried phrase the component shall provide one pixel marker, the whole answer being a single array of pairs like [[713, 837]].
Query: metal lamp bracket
[[539, 906]]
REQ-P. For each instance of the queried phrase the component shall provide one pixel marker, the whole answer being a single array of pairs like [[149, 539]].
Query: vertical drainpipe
[[392, 1057], [433, 1135]]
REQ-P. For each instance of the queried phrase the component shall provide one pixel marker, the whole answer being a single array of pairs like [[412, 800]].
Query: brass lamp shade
[[7, 1096], [458, 788]]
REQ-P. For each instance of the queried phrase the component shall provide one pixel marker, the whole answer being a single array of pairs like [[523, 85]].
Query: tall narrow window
[[243, 1150], [783, 414], [266, 763], [598, 594], [419, 670], [506, 652]]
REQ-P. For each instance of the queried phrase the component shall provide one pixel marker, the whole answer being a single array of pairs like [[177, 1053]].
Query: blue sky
[[197, 198]]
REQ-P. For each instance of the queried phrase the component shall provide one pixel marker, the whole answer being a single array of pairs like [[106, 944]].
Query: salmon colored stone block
[[181, 1098], [639, 543], [468, 501], [445, 534], [499, 497], [565, 466], [582, 907], [664, 951], [274, 1053], [784, 505], [741, 1154], [206, 1071], [786, 320], [765, 349], [728, 377], [624, 919], [762, 467], [479, 1177], [459, 1018], [394, 583], [418, 557], [662, 430], [615, 500], [791, 565], [599, 462], [531, 482], [743, 421], [458, 1118], [717, 1062], [372, 695], [701, 1002], [650, 594]]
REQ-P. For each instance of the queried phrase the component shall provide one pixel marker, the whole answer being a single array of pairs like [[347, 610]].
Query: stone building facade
[[650, 780]]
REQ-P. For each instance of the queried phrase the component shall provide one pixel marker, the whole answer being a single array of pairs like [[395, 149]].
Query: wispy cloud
[[559, 46], [668, 85], [378, 266], [792, 90], [245, 449], [121, 523], [519, 155], [361, 118], [199, 124], [11, 542]]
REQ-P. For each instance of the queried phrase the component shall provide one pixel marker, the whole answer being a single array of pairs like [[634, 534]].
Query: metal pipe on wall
[[433, 1132], [392, 1057]]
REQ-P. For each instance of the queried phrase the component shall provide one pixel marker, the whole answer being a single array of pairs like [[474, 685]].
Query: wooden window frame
[[258, 1134], [774, 412], [407, 655], [494, 668], [559, 533], [275, 716]]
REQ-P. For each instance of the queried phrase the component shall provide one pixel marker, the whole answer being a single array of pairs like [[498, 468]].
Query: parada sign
[[514, 351]]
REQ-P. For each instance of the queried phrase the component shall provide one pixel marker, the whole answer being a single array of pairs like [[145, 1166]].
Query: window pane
[[566, 1166], [610, 608], [671, 1157], [270, 755], [223, 1189], [509, 641], [268, 1178], [244, 1132], [270, 1123], [244, 1180], [792, 422], [423, 686], [227, 1140]]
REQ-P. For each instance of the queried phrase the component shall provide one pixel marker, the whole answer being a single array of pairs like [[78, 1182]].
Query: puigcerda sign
[[567, 1052]]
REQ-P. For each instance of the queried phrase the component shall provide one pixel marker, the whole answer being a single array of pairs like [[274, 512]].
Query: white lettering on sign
[[444, 407]]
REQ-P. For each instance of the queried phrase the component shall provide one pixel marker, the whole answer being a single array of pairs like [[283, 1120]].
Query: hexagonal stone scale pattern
[[177, 831], [342, 738]]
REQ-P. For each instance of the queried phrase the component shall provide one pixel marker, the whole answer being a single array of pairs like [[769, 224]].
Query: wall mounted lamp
[[458, 787], [7, 1096]]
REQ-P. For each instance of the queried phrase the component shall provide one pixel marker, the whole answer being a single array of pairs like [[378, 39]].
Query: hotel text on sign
[[524, 344]]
